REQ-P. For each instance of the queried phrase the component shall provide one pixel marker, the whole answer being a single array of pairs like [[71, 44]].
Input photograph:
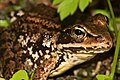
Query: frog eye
[[78, 33]]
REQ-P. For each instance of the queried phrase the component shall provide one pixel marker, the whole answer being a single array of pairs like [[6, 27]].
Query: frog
[[38, 42]]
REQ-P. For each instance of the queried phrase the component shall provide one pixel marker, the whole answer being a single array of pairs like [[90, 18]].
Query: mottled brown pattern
[[12, 56], [38, 41]]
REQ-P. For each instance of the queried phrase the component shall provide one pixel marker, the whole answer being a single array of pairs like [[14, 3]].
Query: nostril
[[108, 43]]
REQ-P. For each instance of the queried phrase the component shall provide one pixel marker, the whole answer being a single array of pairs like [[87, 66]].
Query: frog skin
[[39, 42]]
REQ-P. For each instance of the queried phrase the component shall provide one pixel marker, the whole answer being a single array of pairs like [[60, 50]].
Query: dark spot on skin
[[71, 56], [102, 47], [25, 47], [47, 70], [95, 47], [108, 43], [45, 76]]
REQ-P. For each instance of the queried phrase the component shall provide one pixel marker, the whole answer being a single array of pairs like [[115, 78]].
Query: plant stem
[[115, 56], [113, 17]]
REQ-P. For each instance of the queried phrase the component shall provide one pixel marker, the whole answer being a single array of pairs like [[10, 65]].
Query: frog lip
[[88, 48]]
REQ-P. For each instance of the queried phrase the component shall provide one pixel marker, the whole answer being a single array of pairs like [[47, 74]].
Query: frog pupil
[[78, 32]]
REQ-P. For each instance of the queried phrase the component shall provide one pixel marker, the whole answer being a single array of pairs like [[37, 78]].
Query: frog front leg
[[44, 68]]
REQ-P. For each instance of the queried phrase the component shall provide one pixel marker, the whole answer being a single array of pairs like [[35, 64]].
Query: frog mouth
[[86, 48]]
